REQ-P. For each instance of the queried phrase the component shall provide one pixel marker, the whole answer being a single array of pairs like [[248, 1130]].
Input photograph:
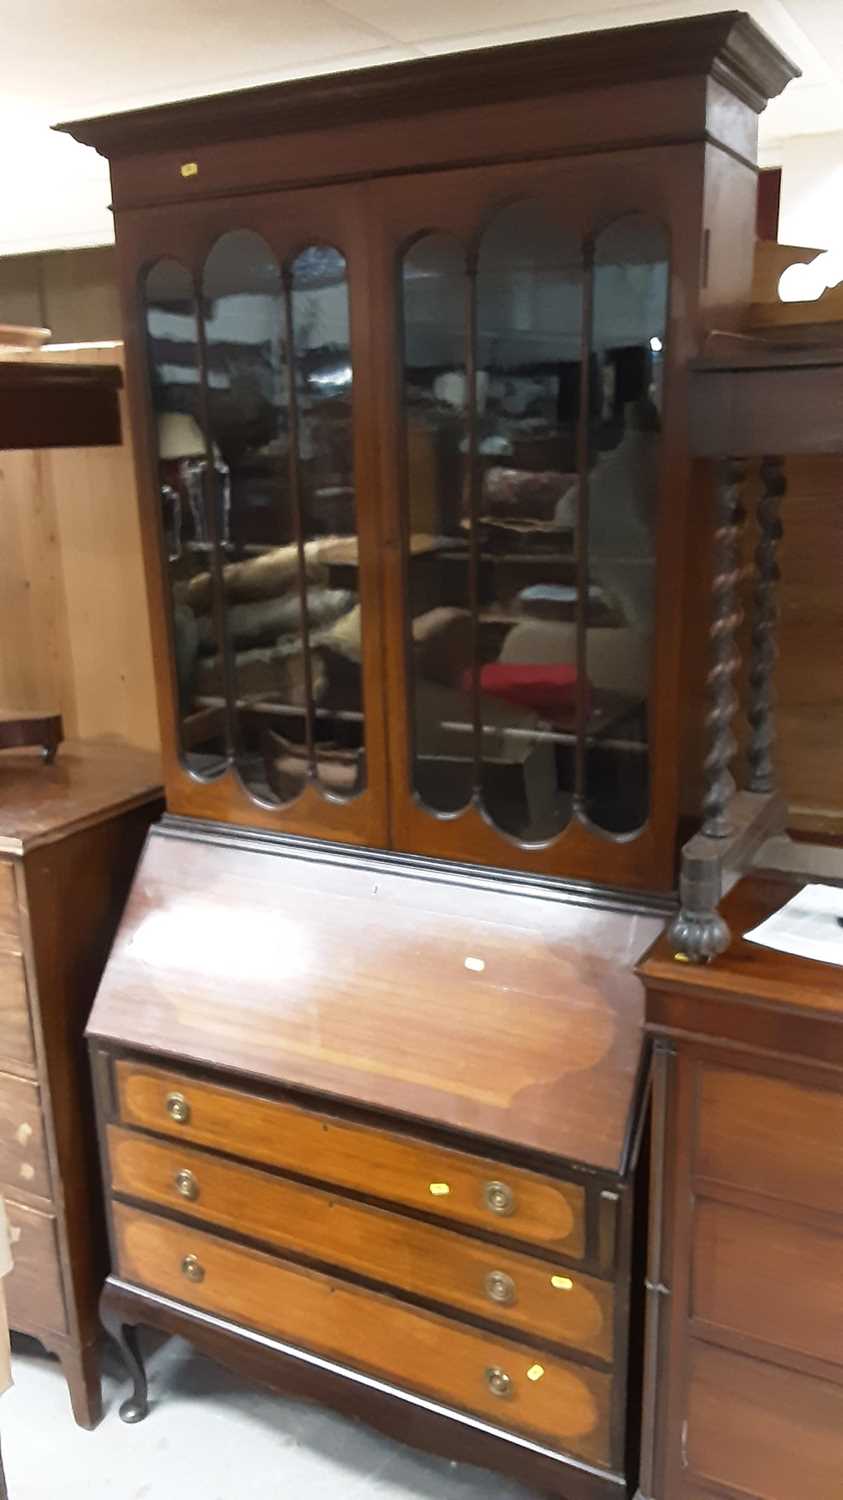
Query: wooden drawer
[[771, 1136], [23, 1150], [566, 1404], [770, 1278], [549, 1301], [33, 1290], [17, 1053], [765, 1432], [399, 1169], [9, 924]]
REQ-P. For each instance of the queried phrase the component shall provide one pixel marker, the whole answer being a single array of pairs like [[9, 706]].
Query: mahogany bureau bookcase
[[70, 836], [428, 564]]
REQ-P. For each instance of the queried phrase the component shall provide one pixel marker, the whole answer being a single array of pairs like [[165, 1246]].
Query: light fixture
[[656, 344], [806, 282]]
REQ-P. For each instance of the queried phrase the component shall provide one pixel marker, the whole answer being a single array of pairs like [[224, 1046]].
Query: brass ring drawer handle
[[187, 1185], [178, 1108], [500, 1288], [193, 1268], [499, 1198], [498, 1382]]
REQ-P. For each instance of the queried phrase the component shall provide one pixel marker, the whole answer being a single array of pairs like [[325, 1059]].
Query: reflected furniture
[[410, 381], [70, 836], [50, 406]]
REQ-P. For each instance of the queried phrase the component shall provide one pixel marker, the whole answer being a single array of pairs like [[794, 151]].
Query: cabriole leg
[[135, 1408]]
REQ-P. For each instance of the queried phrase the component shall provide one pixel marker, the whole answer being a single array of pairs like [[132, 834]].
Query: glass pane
[[629, 332], [529, 333], [260, 669], [434, 290], [325, 472], [172, 339]]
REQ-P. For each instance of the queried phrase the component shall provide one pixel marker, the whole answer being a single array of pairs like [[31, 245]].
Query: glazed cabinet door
[[252, 393], [531, 405]]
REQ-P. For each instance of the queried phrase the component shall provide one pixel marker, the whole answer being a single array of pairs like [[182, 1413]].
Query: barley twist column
[[725, 657], [764, 622]]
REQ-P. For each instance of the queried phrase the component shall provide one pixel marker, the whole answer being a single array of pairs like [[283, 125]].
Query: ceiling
[[70, 58]]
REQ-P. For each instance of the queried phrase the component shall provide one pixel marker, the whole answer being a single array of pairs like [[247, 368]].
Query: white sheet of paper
[[809, 925]]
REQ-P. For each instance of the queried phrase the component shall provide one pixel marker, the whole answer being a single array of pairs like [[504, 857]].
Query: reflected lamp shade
[[179, 436]]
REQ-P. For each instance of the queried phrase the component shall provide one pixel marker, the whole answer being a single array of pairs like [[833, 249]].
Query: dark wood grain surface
[[566, 1403], [70, 835], [89, 780], [760, 1430], [746, 1119], [769, 1278], [551, 1302], [507, 1016], [390, 1167]]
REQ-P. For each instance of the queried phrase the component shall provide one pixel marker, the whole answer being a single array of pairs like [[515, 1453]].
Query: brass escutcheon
[[499, 1198], [192, 1268], [500, 1288], [499, 1383], [178, 1108], [186, 1185]]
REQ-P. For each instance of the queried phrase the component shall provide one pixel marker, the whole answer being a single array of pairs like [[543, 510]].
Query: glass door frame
[[289, 222], [586, 194]]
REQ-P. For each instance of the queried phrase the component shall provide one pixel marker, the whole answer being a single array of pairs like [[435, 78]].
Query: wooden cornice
[[727, 46]]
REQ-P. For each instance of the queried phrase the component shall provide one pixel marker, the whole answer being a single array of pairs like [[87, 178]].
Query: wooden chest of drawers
[[70, 835], [747, 1342], [430, 1267]]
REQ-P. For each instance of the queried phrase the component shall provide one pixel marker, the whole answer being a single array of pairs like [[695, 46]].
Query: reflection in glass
[[628, 337], [185, 488], [434, 287], [262, 567], [321, 401], [491, 441], [529, 334]]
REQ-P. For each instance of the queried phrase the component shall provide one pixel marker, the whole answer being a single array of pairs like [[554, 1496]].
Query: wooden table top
[[88, 780], [437, 995]]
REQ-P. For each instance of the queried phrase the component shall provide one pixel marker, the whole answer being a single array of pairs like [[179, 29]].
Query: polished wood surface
[[662, 120], [760, 1430], [23, 1149], [799, 985], [745, 60], [496, 1014], [549, 1301], [352, 979], [749, 1175], [448, 1184], [17, 1051], [402, 1415], [745, 1117], [34, 1293], [63, 882], [89, 781], [566, 1404], [761, 1274]]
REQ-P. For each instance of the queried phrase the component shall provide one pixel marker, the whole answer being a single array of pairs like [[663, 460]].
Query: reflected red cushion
[[546, 689]]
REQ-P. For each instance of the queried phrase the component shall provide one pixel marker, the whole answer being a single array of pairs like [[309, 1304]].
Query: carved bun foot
[[698, 937]]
